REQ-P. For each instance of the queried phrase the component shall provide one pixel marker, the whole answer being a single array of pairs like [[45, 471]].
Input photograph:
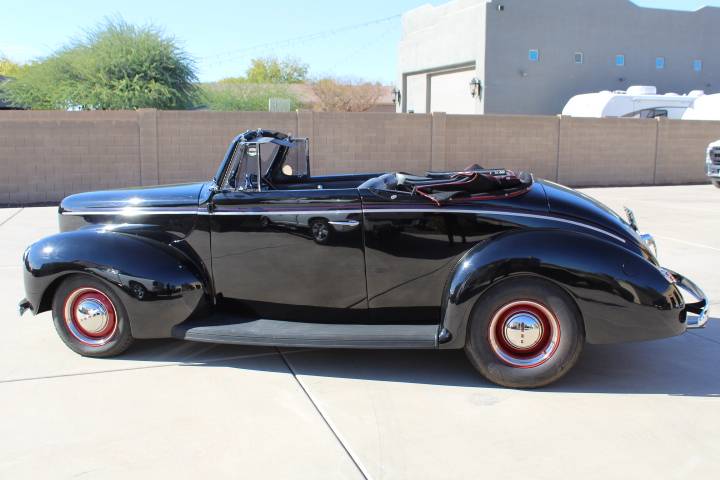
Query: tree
[[8, 68], [336, 95], [116, 66], [228, 96], [272, 70]]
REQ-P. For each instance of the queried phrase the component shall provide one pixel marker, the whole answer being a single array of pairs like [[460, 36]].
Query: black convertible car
[[518, 272]]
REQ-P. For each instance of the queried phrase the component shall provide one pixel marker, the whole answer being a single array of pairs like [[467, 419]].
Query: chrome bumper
[[699, 308], [24, 306]]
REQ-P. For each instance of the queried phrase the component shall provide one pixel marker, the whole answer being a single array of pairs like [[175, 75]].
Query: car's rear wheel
[[525, 333], [89, 318]]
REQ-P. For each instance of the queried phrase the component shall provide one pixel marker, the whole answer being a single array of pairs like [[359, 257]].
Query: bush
[[117, 66], [337, 95]]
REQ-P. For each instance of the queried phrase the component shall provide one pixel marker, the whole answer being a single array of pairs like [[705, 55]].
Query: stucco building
[[532, 56]]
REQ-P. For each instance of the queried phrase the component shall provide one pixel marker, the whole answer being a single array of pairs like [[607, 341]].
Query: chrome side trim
[[129, 212], [508, 214], [271, 212]]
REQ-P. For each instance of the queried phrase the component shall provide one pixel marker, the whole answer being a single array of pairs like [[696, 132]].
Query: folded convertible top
[[474, 184]]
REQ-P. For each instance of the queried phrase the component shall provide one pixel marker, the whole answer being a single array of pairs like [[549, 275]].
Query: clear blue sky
[[219, 34]]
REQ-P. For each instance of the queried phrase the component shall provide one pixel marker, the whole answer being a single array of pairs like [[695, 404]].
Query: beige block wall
[[520, 143], [370, 142], [607, 151], [682, 146], [45, 156], [192, 144]]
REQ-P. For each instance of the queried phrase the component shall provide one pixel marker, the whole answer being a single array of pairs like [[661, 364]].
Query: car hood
[[180, 196], [572, 204]]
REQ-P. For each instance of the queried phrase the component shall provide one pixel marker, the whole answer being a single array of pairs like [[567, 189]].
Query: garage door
[[450, 92]]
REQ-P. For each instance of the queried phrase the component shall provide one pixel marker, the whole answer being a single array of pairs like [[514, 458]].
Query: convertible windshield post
[[253, 150]]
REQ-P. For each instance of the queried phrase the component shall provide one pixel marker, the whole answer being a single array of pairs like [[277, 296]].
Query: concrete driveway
[[169, 409]]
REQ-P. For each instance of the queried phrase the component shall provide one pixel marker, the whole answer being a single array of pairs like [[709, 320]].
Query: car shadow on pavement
[[683, 366]]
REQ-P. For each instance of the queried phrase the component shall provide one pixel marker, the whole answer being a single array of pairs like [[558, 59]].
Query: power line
[[345, 59], [232, 54]]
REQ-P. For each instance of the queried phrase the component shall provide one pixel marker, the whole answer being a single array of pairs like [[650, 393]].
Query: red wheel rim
[[524, 334], [90, 316]]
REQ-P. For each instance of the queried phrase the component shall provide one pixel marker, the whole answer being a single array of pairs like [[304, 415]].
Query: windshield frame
[[238, 152]]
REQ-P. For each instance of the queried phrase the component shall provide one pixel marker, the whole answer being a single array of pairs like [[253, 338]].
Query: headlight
[[645, 238], [649, 242]]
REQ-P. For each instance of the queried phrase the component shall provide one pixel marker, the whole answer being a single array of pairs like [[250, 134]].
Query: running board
[[281, 333]]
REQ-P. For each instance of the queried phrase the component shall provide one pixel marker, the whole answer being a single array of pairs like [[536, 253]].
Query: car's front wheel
[[89, 318], [525, 334]]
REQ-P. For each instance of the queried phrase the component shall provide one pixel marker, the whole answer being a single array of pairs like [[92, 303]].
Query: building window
[[579, 58], [534, 55], [697, 65], [660, 63], [620, 60]]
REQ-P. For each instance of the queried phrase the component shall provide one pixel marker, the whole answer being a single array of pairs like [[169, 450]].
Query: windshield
[[244, 163], [278, 159]]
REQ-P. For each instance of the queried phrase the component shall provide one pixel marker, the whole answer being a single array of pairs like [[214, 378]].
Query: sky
[[346, 39]]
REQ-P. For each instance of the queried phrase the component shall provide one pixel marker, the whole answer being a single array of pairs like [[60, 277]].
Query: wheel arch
[[604, 279], [520, 276], [176, 284]]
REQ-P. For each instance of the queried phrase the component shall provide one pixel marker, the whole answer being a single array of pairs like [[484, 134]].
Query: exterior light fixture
[[396, 96], [475, 87]]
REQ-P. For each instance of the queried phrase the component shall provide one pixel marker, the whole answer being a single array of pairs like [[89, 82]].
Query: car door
[[412, 247], [290, 254]]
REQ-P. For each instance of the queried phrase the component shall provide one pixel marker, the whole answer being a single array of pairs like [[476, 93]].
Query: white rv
[[637, 102], [706, 107]]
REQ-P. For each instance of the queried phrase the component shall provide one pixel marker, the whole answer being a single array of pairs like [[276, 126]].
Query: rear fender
[[159, 285], [620, 295]]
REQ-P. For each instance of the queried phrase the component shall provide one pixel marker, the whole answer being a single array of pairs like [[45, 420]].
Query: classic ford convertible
[[518, 272]]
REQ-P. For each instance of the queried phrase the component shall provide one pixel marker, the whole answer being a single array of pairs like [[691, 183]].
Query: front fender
[[159, 285], [621, 295]]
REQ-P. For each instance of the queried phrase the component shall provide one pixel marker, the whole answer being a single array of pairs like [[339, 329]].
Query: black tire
[[321, 231], [716, 183], [109, 340], [537, 301]]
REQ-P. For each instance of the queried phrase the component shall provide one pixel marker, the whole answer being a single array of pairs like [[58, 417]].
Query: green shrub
[[116, 66]]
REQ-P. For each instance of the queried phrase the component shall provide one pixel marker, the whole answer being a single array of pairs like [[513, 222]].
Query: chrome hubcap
[[92, 316], [523, 331], [524, 334]]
